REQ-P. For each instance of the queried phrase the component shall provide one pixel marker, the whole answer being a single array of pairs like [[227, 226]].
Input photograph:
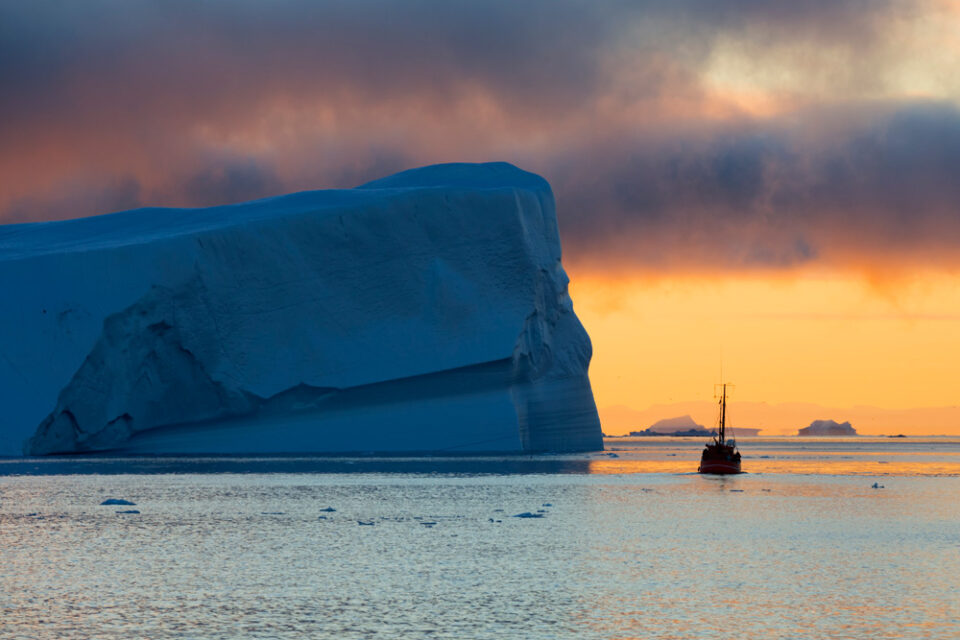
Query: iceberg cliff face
[[427, 311]]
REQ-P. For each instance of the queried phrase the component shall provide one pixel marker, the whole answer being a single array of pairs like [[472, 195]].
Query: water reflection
[[822, 456], [215, 554], [476, 465]]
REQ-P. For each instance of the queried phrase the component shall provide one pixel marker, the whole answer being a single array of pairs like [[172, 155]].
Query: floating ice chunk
[[546, 504], [365, 524], [527, 514], [129, 511], [114, 502], [328, 510]]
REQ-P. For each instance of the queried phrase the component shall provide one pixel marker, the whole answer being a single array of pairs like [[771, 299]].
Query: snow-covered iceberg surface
[[427, 311]]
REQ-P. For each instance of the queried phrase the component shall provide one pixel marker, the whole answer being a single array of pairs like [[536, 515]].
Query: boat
[[721, 457]]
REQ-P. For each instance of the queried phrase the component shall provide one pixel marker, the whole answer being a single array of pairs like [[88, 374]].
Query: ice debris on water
[[118, 502], [365, 524], [527, 514], [546, 504], [129, 511], [271, 513], [328, 510]]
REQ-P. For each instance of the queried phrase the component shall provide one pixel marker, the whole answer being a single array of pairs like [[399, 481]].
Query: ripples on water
[[632, 546]]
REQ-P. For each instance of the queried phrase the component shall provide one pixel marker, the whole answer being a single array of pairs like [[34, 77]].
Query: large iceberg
[[427, 311]]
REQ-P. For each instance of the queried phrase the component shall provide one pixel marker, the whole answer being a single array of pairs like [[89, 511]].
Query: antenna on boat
[[721, 391]]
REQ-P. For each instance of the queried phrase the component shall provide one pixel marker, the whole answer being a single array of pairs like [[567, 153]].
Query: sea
[[820, 538]]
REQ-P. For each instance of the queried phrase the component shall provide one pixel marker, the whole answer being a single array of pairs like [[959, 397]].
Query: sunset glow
[[827, 338]]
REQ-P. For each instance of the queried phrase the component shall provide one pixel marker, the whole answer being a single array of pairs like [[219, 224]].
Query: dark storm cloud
[[108, 105], [881, 184]]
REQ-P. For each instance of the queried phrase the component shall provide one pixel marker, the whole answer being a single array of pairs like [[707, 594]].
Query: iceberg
[[426, 311], [827, 428]]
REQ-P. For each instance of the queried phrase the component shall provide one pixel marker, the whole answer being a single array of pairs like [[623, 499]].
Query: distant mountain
[[669, 425], [827, 428], [679, 426], [781, 419]]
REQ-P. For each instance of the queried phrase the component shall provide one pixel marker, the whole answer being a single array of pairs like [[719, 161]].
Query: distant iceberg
[[827, 428], [427, 311]]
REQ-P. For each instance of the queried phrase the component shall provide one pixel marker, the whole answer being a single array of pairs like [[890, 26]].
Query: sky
[[770, 188]]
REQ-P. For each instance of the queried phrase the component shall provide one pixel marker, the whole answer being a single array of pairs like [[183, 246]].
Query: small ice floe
[[321, 517], [876, 485], [611, 455], [129, 511], [767, 490], [527, 514], [546, 504], [492, 520], [118, 502], [271, 513], [428, 524], [736, 490], [365, 524], [498, 510], [671, 455], [328, 510]]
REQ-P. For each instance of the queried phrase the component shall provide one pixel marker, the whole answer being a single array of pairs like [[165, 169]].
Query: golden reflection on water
[[819, 467], [820, 456]]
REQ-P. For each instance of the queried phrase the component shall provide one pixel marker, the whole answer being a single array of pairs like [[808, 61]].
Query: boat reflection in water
[[721, 456]]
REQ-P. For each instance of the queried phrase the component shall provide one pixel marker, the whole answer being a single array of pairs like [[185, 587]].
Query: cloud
[[643, 115], [845, 186]]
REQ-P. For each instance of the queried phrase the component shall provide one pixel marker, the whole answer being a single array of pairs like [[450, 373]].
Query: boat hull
[[719, 458], [719, 467]]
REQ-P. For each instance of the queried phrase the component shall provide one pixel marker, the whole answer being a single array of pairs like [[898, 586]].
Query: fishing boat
[[721, 456]]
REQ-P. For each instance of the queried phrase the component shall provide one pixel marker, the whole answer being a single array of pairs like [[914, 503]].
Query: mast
[[723, 414]]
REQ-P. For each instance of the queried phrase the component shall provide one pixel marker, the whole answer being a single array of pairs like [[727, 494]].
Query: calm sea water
[[627, 544]]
